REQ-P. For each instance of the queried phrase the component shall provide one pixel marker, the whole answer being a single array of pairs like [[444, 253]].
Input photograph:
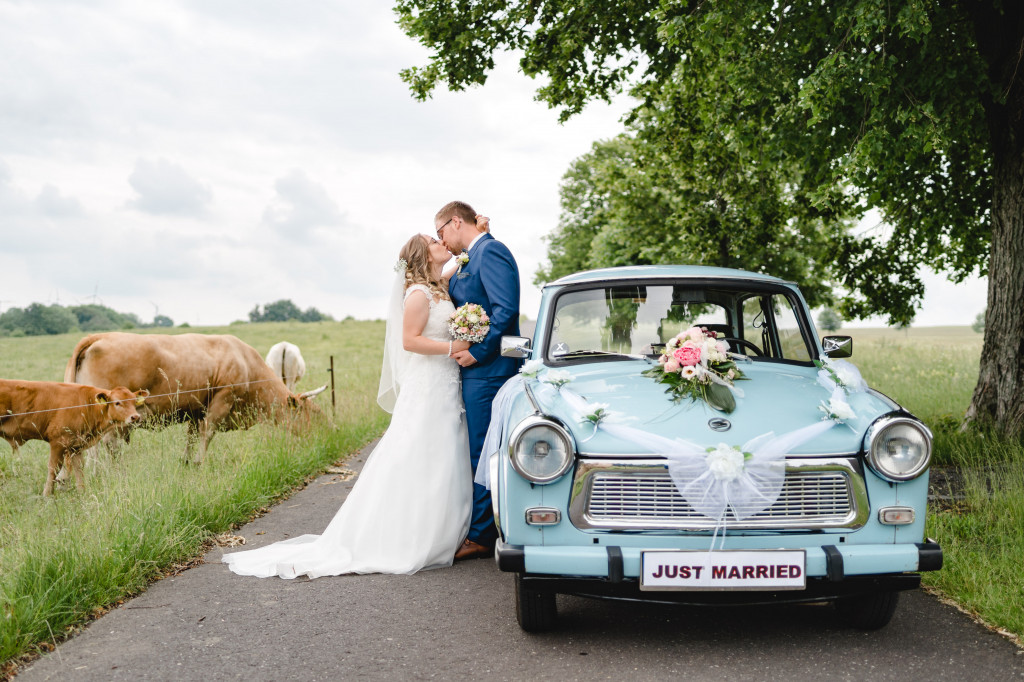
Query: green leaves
[[763, 133]]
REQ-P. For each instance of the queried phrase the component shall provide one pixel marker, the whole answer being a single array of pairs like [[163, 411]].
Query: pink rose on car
[[687, 356], [671, 365], [692, 334]]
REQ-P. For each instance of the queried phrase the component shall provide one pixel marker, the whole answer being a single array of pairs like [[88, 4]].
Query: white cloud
[[53, 204], [165, 188], [300, 206], [271, 151]]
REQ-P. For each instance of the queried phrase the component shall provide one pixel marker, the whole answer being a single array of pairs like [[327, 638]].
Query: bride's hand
[[460, 345], [483, 222]]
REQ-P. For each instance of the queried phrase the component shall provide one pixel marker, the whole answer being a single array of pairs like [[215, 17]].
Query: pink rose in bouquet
[[469, 322], [687, 356], [695, 364]]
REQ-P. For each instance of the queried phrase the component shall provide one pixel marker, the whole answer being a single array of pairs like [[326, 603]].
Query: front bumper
[[611, 571]]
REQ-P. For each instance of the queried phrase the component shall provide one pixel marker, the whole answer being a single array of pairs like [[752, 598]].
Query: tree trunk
[[999, 395]]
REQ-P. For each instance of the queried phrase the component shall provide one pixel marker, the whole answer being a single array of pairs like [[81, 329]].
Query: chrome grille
[[642, 496]]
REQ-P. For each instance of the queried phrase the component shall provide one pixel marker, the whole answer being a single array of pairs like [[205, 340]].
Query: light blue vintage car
[[621, 466]]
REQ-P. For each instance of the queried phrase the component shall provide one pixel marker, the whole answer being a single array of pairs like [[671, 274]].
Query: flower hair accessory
[[401, 265]]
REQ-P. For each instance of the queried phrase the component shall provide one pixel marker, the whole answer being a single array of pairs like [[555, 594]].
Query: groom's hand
[[464, 358]]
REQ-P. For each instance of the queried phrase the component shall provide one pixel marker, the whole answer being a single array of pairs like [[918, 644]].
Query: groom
[[489, 278]]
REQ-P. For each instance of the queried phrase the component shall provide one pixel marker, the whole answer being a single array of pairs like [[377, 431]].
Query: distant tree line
[[38, 320], [284, 310]]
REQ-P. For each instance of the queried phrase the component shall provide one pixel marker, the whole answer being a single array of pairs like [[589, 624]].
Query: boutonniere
[[461, 259]]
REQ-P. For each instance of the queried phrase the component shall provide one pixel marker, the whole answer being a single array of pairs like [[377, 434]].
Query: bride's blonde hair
[[416, 254]]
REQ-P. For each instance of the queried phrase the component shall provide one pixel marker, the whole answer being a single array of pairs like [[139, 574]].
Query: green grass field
[[66, 558], [932, 372]]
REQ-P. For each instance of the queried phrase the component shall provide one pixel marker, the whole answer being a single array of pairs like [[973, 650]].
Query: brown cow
[[70, 417], [211, 382]]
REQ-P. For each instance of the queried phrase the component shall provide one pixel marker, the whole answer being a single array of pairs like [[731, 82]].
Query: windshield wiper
[[583, 353]]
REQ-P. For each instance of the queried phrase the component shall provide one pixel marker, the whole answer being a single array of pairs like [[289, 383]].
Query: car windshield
[[760, 322]]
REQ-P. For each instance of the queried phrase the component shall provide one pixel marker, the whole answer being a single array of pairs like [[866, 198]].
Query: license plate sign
[[723, 570]]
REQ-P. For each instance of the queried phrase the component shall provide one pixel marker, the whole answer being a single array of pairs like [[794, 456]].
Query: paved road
[[210, 624]]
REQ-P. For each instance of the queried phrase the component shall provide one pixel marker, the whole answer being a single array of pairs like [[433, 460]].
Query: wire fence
[[135, 400], [332, 370]]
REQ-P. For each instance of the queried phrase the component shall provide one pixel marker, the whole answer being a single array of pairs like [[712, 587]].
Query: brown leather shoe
[[472, 550]]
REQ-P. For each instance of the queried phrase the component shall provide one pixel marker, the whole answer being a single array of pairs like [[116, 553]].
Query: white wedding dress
[[410, 508]]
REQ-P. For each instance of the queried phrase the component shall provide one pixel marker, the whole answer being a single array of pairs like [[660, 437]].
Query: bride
[[410, 508]]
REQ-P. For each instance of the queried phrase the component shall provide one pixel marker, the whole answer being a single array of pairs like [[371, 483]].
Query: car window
[[771, 324], [641, 318], [791, 337]]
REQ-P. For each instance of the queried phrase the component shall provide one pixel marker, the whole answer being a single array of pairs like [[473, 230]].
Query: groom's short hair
[[456, 208]]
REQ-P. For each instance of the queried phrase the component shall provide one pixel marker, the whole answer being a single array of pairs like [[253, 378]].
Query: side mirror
[[515, 347], [837, 346]]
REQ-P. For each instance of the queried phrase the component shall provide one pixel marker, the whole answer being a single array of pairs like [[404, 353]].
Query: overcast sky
[[198, 158]]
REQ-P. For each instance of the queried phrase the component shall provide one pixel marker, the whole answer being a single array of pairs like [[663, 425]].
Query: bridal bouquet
[[695, 365], [469, 322]]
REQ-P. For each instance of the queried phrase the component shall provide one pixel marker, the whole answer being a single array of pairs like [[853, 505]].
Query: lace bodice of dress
[[437, 329], [437, 323]]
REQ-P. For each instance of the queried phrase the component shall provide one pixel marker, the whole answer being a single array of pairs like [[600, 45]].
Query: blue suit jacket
[[491, 279]]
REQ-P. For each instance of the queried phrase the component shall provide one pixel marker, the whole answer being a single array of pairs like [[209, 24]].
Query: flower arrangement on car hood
[[696, 365]]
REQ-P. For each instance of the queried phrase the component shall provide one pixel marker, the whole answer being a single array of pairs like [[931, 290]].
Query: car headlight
[[899, 448], [541, 449]]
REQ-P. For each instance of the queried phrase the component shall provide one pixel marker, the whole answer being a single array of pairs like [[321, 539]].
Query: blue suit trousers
[[477, 394]]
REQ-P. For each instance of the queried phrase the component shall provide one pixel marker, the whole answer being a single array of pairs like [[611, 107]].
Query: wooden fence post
[[334, 408]]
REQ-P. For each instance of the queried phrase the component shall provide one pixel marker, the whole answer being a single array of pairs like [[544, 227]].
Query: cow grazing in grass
[[210, 382], [286, 361], [70, 417]]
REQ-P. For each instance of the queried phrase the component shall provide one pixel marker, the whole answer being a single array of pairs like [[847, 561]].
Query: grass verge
[[67, 558], [64, 559], [980, 534]]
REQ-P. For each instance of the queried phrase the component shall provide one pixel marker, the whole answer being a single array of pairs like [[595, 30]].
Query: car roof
[[662, 271]]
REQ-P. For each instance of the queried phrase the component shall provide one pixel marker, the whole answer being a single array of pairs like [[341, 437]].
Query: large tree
[[911, 108]]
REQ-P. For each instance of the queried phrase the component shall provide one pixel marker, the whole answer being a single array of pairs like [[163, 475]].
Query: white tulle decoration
[[497, 429], [843, 374], [714, 482], [726, 483]]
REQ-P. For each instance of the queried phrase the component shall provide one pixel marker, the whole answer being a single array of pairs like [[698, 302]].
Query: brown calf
[[70, 417]]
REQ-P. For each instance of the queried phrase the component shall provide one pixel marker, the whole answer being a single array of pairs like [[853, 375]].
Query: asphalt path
[[210, 624]]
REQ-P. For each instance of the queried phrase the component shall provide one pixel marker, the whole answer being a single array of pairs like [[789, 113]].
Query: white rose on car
[[557, 377], [838, 408], [714, 352], [725, 463], [531, 367]]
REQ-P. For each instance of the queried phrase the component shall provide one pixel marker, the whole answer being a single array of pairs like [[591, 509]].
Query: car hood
[[776, 397]]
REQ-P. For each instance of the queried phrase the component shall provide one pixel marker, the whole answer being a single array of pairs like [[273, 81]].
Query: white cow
[[286, 361]]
